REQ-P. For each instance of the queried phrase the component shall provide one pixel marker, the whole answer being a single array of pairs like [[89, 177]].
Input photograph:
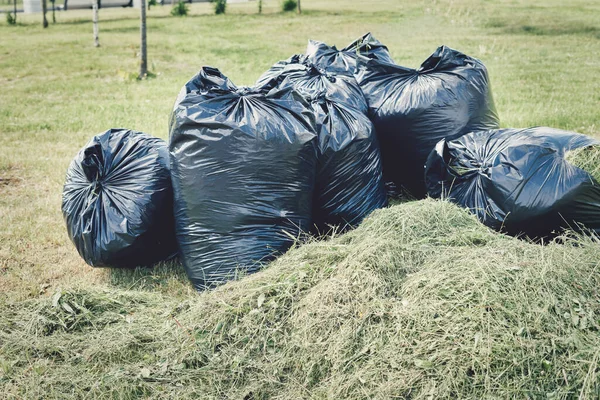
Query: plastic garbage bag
[[344, 61], [412, 109], [118, 200], [349, 182], [314, 82], [243, 166], [269, 78], [329, 58], [517, 180]]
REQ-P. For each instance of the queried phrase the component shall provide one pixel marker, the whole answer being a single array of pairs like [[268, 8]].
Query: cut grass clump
[[419, 299], [77, 310], [167, 277], [586, 158]]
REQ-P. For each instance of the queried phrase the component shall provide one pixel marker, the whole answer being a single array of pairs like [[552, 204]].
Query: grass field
[[345, 318], [8, 5]]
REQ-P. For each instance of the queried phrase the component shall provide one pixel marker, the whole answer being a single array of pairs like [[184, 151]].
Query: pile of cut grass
[[420, 301], [586, 158]]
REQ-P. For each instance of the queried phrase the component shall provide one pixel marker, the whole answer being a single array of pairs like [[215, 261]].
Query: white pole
[[95, 20]]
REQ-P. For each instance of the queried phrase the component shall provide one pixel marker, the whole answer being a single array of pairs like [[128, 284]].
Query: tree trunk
[[53, 11], [44, 10], [15, 8], [95, 22], [260, 4], [143, 51], [299, 8]]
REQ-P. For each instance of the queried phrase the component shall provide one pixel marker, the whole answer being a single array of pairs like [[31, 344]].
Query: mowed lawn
[[57, 90]]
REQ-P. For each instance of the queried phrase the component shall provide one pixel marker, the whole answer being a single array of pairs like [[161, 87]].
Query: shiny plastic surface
[[412, 109], [269, 78], [243, 165], [313, 83], [118, 200], [344, 61], [349, 183], [517, 180]]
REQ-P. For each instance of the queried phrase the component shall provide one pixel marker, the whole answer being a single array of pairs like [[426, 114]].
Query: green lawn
[[58, 91], [8, 5]]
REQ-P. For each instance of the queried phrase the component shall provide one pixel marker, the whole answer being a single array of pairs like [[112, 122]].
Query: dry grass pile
[[421, 301], [586, 158]]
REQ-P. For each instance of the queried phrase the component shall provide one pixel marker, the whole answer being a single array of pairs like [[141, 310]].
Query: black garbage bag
[[344, 61], [517, 180], [118, 200], [243, 166], [349, 182], [269, 78], [412, 109], [329, 59], [313, 82]]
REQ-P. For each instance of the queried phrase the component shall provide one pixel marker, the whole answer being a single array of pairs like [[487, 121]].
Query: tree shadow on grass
[[273, 15], [542, 27], [542, 30], [85, 21]]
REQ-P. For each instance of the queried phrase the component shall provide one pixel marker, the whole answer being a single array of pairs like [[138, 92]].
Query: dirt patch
[[8, 181], [9, 176]]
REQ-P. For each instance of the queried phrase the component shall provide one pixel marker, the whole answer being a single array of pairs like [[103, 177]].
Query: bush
[[289, 5], [220, 6], [10, 19], [152, 3], [180, 9]]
